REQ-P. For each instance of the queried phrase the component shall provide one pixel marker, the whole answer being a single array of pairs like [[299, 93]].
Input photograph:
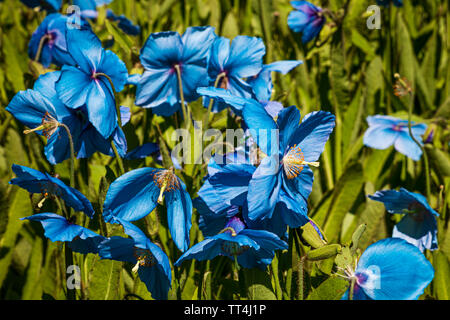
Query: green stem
[[425, 156], [352, 289], [118, 158], [184, 108], [41, 46], [220, 76], [119, 119], [69, 262], [72, 155]]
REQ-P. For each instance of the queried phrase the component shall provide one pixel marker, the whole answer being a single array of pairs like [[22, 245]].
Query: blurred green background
[[349, 70]]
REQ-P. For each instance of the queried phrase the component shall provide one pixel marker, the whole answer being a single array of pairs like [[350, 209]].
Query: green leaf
[[20, 207], [441, 282], [105, 280], [259, 286], [331, 289], [344, 195], [32, 289]]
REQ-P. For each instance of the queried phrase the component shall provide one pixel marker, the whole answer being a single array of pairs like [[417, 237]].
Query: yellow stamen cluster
[[166, 181], [144, 258], [294, 161], [48, 126]]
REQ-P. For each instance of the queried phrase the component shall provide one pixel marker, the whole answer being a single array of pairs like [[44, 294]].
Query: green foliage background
[[348, 71]]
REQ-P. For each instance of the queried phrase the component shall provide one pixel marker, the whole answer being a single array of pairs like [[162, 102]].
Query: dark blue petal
[[117, 248], [420, 233], [143, 151]]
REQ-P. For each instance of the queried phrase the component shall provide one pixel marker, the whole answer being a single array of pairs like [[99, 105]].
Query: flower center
[[166, 180], [48, 126], [144, 258], [233, 248], [294, 161], [416, 211]]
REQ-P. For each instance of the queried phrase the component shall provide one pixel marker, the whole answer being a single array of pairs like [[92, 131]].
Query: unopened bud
[[324, 252], [312, 234]]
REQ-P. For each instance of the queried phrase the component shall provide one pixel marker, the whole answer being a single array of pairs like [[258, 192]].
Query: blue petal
[[85, 246], [197, 42], [85, 48], [406, 145], [179, 216], [117, 248], [101, 107], [313, 133], [312, 29], [395, 270], [245, 59], [132, 196], [207, 249], [156, 280], [265, 181], [297, 20], [29, 107], [114, 68], [288, 121], [262, 127], [143, 151], [57, 228], [422, 234], [73, 87], [161, 50]]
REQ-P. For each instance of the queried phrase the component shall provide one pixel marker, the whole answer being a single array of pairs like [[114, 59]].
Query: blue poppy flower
[[58, 228], [135, 194], [51, 37], [87, 84], [385, 131], [161, 56], [284, 175], [151, 263], [90, 4], [419, 225], [41, 110], [397, 3], [50, 5], [307, 18], [262, 83], [233, 62], [391, 269], [37, 182], [251, 248]]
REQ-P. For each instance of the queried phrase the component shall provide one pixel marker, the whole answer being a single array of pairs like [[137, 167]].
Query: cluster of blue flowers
[[245, 207]]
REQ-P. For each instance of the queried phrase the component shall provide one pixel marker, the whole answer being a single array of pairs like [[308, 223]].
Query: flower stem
[[425, 156], [118, 158], [352, 289], [219, 77], [72, 155], [41, 46], [184, 108], [119, 119]]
